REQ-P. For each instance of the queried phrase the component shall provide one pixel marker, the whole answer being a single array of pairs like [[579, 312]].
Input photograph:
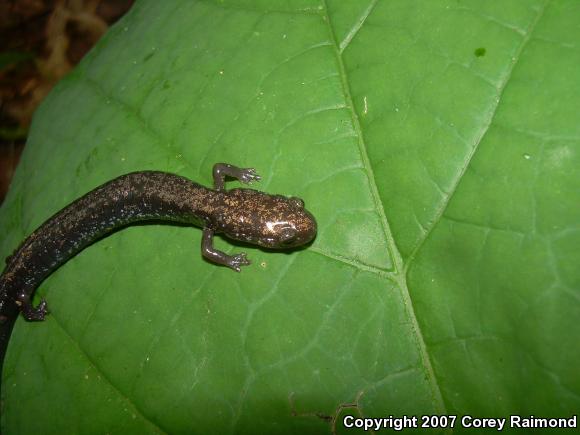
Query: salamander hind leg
[[29, 311], [223, 170]]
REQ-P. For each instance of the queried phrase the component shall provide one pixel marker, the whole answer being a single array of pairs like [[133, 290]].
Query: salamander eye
[[288, 237], [297, 202]]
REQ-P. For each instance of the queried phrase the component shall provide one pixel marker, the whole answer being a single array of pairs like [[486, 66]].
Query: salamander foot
[[32, 313], [235, 261]]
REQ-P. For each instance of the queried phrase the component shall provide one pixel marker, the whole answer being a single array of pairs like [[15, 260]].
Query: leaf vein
[[391, 246], [158, 139], [483, 132], [353, 263], [93, 364], [357, 26]]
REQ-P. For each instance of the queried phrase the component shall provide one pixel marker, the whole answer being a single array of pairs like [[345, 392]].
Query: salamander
[[246, 215]]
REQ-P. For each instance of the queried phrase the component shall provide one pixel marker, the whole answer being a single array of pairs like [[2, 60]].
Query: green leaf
[[435, 142]]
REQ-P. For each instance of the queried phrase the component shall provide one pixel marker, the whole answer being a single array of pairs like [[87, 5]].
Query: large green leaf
[[437, 144]]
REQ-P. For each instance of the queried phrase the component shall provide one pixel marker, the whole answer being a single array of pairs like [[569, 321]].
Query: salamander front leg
[[30, 312], [215, 256], [223, 170]]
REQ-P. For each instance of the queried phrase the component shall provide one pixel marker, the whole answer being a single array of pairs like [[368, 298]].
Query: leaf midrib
[[401, 268], [399, 272]]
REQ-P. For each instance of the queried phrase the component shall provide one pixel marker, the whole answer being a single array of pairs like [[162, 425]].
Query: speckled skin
[[271, 221]]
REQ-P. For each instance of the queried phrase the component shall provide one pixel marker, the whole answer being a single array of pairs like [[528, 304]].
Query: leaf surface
[[435, 142]]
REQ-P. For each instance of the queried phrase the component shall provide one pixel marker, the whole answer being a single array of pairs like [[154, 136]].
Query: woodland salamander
[[247, 215]]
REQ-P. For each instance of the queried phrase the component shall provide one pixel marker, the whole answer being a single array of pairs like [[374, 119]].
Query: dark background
[[40, 42]]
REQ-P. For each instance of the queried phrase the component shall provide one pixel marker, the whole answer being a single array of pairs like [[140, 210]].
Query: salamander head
[[270, 221]]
